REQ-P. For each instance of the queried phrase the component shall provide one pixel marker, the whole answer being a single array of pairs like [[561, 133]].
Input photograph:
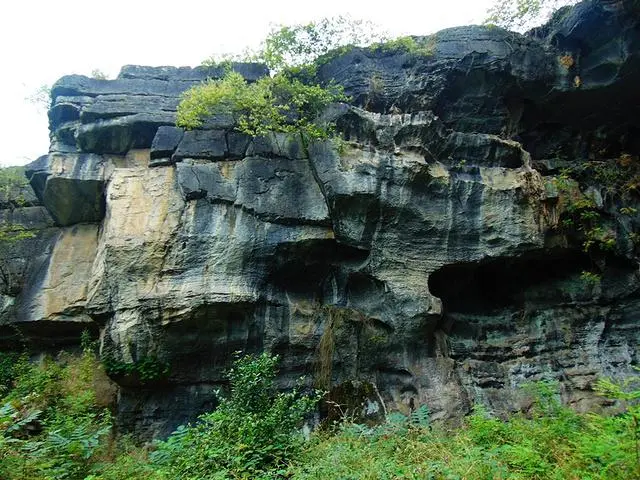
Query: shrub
[[146, 369], [272, 104], [409, 45], [295, 45], [51, 425], [253, 432], [552, 442]]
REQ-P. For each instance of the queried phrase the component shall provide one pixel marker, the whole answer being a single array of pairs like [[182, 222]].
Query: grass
[[563, 445], [54, 425]]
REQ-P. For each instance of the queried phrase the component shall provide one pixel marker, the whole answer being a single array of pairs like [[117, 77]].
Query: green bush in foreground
[[554, 443], [51, 423], [52, 427], [254, 433]]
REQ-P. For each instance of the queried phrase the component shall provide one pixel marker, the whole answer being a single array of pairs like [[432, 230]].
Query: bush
[[552, 442], [51, 425], [272, 104], [288, 46], [255, 432]]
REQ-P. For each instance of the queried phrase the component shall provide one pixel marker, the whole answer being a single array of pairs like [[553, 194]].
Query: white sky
[[42, 40]]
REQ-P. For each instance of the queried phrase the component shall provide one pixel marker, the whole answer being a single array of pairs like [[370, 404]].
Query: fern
[[420, 416]]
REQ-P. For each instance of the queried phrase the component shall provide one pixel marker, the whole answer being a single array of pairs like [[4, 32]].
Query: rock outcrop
[[424, 254]]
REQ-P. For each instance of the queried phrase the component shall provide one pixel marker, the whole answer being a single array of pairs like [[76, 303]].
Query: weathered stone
[[426, 244], [70, 186], [237, 144], [206, 144], [277, 145], [274, 190], [104, 107], [121, 134], [250, 71], [164, 144], [67, 109]]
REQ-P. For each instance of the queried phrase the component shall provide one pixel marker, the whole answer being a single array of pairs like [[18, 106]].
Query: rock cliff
[[430, 254]]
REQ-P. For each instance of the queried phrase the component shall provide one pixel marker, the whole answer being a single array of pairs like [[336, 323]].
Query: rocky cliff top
[[430, 256]]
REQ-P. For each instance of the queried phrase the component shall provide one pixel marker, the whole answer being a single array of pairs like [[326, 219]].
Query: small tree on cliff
[[290, 100], [521, 15], [288, 46], [254, 432]]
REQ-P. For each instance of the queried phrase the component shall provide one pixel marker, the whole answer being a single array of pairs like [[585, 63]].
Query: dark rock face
[[115, 116], [422, 257]]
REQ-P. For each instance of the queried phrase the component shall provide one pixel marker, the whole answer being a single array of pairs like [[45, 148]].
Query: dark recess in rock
[[499, 283]]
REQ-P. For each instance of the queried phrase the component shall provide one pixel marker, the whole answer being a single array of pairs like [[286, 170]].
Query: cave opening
[[499, 283]]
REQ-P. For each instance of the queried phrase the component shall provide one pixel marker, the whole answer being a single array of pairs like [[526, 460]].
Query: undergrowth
[[53, 425], [553, 442]]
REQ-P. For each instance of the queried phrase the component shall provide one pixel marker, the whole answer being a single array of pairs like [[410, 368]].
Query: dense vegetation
[[55, 424], [272, 104], [292, 99]]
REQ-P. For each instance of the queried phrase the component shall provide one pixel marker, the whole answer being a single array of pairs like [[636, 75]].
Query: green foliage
[[40, 98], [146, 369], [296, 45], [9, 369], [582, 214], [590, 278], [12, 185], [523, 14], [409, 45], [630, 211], [627, 392], [98, 74], [598, 225], [292, 99], [12, 189], [51, 425], [272, 104], [552, 443], [50, 429], [253, 433]]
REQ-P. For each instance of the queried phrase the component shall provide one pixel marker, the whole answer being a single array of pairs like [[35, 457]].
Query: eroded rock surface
[[424, 253]]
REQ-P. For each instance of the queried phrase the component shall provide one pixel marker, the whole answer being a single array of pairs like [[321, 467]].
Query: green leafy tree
[[302, 44], [98, 74], [521, 15], [40, 98], [288, 46]]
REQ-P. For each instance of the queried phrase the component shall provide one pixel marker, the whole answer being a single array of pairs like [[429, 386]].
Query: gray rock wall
[[423, 255]]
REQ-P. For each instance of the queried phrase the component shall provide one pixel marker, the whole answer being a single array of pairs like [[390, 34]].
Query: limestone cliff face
[[423, 256]]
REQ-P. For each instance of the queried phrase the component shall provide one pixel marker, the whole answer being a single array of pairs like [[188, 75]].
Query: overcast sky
[[42, 40]]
